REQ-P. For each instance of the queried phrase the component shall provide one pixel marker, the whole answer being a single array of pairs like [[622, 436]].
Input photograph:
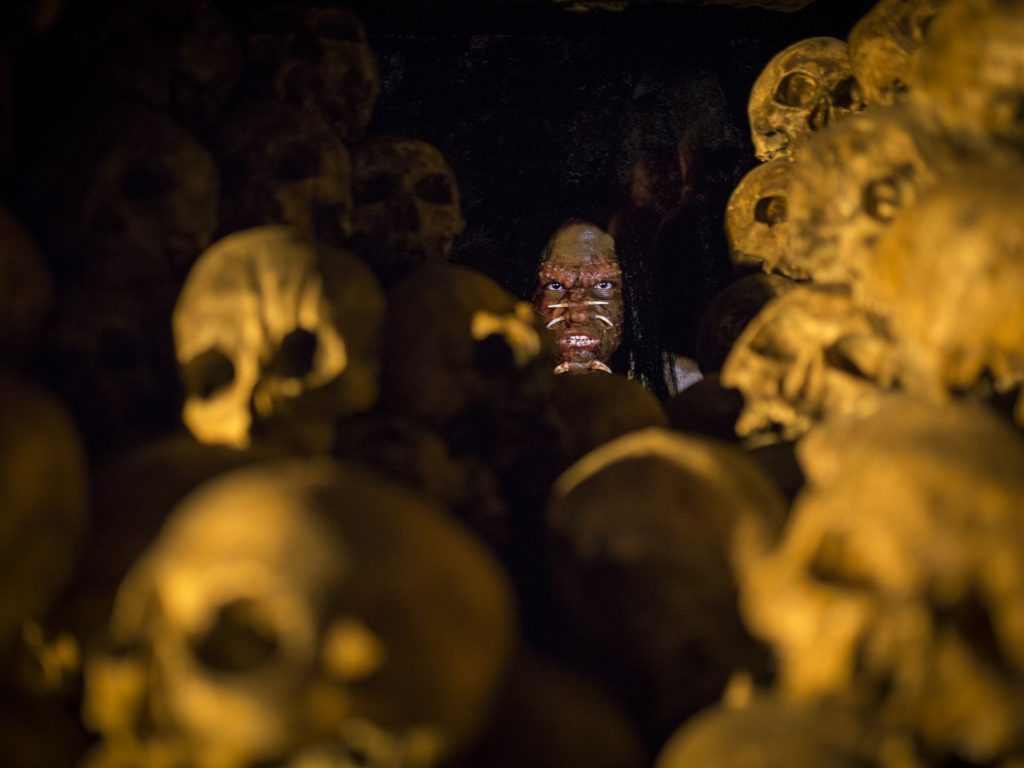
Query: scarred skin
[[579, 296]]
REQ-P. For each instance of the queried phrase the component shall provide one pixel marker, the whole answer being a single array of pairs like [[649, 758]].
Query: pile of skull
[[306, 495], [887, 220]]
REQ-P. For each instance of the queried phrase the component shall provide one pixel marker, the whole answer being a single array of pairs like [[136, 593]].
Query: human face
[[579, 296]]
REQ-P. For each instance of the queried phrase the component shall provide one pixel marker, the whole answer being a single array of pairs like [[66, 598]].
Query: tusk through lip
[[558, 306], [555, 322], [597, 303], [605, 320]]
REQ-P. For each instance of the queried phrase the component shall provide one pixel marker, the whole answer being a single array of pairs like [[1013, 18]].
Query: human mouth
[[579, 341]]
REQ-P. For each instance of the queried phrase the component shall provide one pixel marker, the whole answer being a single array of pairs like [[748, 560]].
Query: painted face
[[579, 295]]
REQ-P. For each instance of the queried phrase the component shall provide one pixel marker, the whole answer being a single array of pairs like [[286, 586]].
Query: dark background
[[541, 111]]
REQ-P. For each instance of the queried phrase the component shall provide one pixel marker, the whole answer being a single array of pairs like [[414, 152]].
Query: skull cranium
[[883, 45], [406, 205], [297, 609], [756, 220], [275, 333], [804, 88], [316, 58], [849, 182], [898, 580], [808, 353], [949, 277]]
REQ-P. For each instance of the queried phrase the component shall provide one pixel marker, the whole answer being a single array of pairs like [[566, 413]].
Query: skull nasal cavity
[[294, 358], [434, 189], [240, 640], [770, 210], [207, 373], [493, 356], [797, 89], [375, 189], [145, 183]]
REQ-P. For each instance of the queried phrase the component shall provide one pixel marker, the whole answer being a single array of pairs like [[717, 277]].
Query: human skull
[[455, 342], [43, 485], [643, 531], [768, 732], [756, 220], [849, 182], [129, 196], [276, 335], [730, 312], [970, 71], [114, 361], [283, 165], [177, 55], [318, 59], [949, 277], [809, 353], [406, 205], [26, 286], [551, 716], [898, 582], [804, 88], [593, 410], [883, 45], [299, 609]]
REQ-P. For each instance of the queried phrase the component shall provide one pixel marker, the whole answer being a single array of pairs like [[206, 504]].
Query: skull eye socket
[[298, 163], [1006, 113], [338, 28], [375, 189], [294, 358], [848, 94], [772, 343], [207, 373], [145, 183], [435, 188], [797, 89], [242, 639], [835, 562], [770, 210], [883, 198]]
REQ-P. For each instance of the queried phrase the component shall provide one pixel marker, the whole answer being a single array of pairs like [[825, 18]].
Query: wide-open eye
[[554, 285], [604, 285]]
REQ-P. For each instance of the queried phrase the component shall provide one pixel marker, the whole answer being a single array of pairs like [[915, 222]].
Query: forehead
[[581, 246]]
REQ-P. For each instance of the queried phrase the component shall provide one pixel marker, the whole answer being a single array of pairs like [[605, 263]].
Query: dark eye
[[434, 189], [797, 89], [296, 355], [146, 183], [554, 285], [207, 373], [604, 285], [770, 210], [241, 640], [883, 199]]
